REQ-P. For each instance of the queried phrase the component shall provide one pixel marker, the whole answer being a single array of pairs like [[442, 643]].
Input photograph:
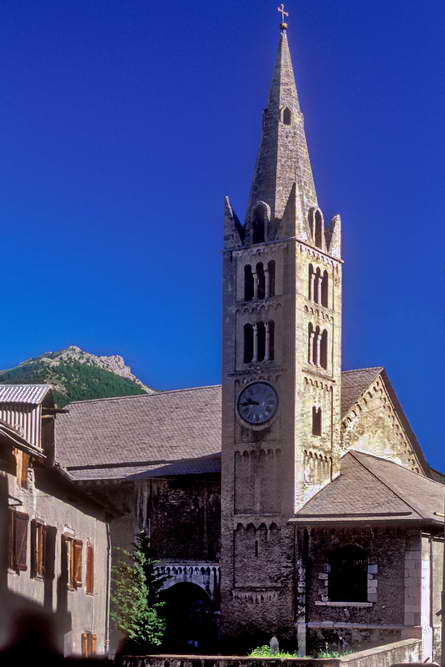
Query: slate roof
[[374, 489], [130, 436], [116, 437], [354, 383]]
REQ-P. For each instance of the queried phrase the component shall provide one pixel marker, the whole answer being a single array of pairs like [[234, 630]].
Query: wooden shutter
[[33, 548], [93, 644], [24, 470], [85, 647], [77, 563], [11, 552], [90, 569], [20, 540]]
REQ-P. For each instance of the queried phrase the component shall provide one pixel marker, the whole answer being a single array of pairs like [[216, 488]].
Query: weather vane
[[284, 14]]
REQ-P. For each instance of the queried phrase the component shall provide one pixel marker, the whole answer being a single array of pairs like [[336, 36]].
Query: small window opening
[[324, 289], [310, 278], [316, 421], [318, 231], [310, 336], [271, 269], [248, 343], [324, 349], [261, 278], [256, 548], [271, 340], [317, 284], [261, 334], [348, 576], [287, 116], [259, 225], [248, 283]]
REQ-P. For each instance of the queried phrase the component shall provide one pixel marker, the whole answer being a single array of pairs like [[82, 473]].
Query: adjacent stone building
[[55, 537], [294, 499]]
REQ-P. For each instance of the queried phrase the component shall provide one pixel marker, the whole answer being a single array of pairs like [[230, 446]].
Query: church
[[294, 499]]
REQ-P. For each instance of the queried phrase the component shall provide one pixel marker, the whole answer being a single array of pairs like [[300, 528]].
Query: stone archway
[[190, 616]]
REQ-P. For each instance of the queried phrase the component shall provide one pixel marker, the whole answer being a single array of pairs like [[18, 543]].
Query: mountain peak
[[76, 374]]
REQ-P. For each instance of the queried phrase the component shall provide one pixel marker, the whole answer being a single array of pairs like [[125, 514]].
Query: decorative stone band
[[255, 596], [205, 574]]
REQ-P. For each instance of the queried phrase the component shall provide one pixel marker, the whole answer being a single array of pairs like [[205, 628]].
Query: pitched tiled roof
[[120, 436], [116, 438], [375, 489], [354, 383]]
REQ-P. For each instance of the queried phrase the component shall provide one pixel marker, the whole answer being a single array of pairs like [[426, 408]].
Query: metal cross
[[282, 12]]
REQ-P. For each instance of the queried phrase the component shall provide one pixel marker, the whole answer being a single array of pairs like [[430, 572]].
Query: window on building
[[310, 280], [261, 341], [88, 644], [287, 116], [261, 278], [324, 289], [72, 561], [271, 326], [259, 225], [248, 343], [90, 569], [324, 349], [310, 336], [18, 541], [348, 575], [318, 229], [248, 283], [38, 548], [271, 270], [316, 421], [317, 284]]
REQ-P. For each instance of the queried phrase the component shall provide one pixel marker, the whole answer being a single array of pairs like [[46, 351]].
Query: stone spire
[[283, 169]]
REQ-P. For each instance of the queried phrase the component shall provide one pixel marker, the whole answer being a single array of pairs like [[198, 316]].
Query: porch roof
[[370, 488]]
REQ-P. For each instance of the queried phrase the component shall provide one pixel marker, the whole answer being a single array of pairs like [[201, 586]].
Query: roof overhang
[[11, 437]]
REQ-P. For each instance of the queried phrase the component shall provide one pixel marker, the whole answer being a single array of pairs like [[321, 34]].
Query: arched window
[[271, 270], [348, 576], [317, 286], [324, 289], [261, 341], [324, 349], [248, 283], [311, 222], [259, 221], [310, 279], [316, 340], [310, 336], [271, 327], [248, 343], [318, 229], [287, 116], [261, 278], [316, 421]]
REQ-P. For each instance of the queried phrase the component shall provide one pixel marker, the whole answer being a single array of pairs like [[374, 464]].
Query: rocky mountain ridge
[[77, 375]]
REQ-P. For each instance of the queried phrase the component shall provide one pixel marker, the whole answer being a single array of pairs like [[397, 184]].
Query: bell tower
[[282, 298]]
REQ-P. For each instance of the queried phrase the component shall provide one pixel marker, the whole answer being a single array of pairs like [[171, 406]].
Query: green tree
[[136, 608]]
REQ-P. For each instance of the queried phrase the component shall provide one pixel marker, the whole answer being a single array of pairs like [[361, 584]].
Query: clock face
[[258, 403]]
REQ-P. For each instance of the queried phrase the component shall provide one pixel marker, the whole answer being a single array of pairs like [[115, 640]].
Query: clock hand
[[250, 402]]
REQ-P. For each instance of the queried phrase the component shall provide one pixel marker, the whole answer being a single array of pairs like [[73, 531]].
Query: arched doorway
[[190, 618]]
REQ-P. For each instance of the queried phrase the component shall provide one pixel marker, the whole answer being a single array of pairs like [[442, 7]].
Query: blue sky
[[124, 123]]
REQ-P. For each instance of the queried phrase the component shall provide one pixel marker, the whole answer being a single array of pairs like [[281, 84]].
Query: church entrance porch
[[190, 615]]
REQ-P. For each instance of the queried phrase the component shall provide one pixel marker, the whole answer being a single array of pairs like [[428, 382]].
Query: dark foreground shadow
[[33, 641]]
